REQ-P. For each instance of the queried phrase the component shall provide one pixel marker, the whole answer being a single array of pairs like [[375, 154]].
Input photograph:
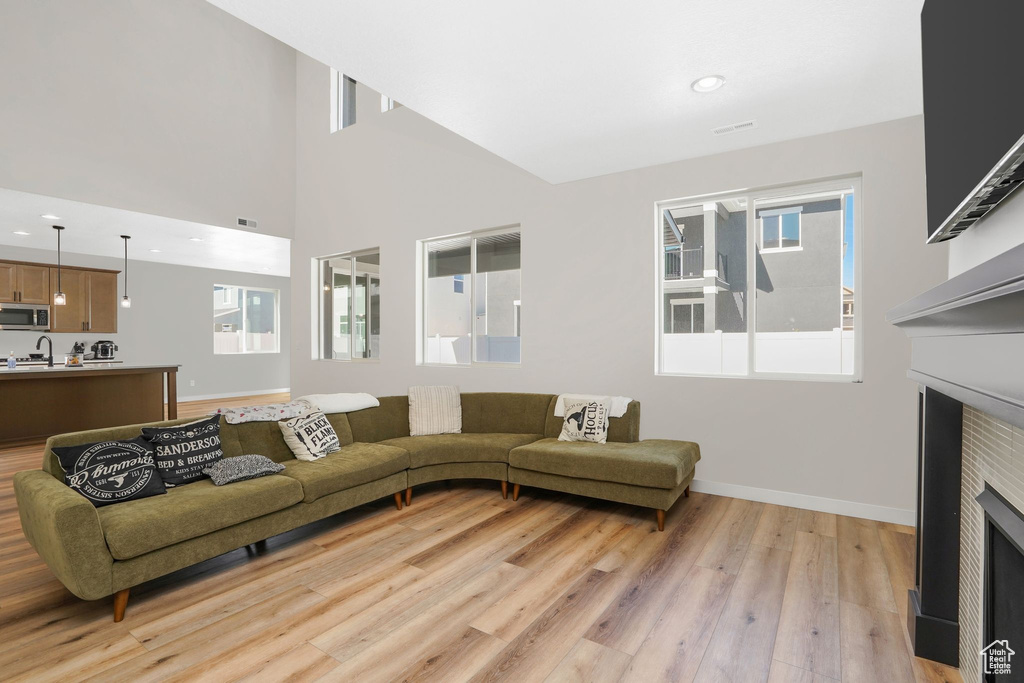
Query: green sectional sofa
[[506, 437]]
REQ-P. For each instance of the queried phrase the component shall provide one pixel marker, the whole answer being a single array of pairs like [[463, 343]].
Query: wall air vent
[[247, 223], [735, 127]]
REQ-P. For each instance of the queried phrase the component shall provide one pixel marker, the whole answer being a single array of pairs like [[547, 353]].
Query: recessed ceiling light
[[195, 239], [22, 233], [155, 251], [265, 269], [708, 83], [50, 217]]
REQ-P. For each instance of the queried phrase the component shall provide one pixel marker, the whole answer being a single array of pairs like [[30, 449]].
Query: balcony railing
[[682, 264]]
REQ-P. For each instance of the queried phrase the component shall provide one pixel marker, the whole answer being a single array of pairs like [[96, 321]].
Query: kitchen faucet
[[49, 342]]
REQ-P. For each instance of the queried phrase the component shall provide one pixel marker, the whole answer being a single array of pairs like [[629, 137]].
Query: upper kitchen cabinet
[[33, 284], [24, 283], [91, 297], [73, 315], [102, 301], [8, 283]]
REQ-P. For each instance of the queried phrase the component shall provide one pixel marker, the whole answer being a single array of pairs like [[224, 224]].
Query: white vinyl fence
[[720, 353]]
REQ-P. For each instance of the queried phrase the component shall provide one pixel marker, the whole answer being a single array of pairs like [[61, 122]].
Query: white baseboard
[[805, 502], [233, 394]]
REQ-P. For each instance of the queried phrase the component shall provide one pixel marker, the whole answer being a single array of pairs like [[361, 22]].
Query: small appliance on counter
[[104, 350]]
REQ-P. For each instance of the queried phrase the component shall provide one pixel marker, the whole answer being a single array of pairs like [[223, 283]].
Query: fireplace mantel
[[967, 336]]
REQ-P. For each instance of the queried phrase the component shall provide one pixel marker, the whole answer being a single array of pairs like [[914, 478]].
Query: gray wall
[[171, 321], [170, 108], [801, 291], [396, 177]]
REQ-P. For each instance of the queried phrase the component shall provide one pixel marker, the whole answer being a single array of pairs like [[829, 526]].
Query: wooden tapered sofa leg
[[120, 603], [686, 492], [515, 492], [504, 490], [661, 520], [408, 496], [398, 500]]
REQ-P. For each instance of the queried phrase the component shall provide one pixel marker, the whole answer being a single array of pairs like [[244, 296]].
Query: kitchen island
[[38, 401]]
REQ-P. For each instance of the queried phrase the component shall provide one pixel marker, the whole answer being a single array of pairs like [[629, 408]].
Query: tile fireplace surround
[[967, 353], [993, 452]]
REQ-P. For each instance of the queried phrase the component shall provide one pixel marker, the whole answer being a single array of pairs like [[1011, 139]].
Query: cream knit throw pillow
[[434, 410]]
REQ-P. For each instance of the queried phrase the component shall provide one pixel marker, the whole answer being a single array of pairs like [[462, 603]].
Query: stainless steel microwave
[[24, 317]]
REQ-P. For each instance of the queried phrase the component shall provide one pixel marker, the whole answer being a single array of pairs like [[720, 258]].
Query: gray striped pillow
[[434, 410]]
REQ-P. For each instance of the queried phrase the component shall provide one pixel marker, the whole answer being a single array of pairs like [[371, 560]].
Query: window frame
[[752, 196], [317, 264], [243, 290], [799, 211], [421, 296]]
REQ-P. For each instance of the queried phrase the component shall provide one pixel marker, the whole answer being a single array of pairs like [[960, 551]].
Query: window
[[343, 101], [469, 296], [780, 228], [784, 307], [246, 320], [348, 291]]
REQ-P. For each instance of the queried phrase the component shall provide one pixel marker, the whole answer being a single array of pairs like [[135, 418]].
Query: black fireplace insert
[[1003, 599]]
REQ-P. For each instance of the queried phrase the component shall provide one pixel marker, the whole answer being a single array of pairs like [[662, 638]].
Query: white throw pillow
[[585, 421], [310, 435], [435, 410]]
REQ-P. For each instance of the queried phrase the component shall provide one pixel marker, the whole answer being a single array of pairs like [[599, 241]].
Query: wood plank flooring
[[465, 586]]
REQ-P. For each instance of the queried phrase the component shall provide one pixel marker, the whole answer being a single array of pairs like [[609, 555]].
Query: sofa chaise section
[[652, 473]]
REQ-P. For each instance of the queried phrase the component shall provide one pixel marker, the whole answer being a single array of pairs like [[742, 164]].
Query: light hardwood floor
[[464, 585]]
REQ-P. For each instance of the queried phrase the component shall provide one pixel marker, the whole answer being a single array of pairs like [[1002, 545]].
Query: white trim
[[232, 394], [805, 502], [711, 273], [779, 250]]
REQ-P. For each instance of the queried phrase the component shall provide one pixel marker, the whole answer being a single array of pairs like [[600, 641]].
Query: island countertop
[[31, 371], [37, 401]]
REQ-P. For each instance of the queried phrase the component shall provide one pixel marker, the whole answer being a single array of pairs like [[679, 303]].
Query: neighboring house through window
[[469, 297], [246, 320], [760, 283]]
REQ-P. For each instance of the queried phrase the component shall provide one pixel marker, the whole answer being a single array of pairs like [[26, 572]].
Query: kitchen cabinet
[[91, 301], [103, 302], [73, 315], [24, 283], [91, 294], [8, 282], [33, 284]]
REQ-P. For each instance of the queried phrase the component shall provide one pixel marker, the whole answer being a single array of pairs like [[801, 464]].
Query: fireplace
[[1003, 592], [967, 346]]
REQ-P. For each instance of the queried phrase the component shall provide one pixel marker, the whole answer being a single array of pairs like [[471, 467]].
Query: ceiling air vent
[[735, 127], [248, 223]]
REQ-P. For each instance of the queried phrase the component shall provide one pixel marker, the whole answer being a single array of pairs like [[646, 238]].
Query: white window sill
[[779, 250]]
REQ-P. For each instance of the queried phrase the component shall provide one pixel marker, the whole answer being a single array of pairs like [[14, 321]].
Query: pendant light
[[125, 301], [58, 297]]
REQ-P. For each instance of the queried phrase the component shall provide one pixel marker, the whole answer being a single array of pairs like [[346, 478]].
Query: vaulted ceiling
[[574, 89]]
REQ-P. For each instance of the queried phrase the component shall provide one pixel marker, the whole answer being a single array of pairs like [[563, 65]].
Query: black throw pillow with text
[[184, 451], [111, 472]]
